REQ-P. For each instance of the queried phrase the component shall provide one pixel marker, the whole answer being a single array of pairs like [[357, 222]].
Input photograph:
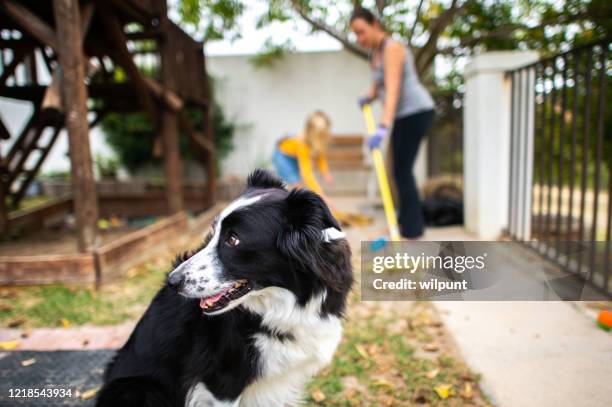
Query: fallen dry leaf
[[15, 322], [318, 396], [431, 347], [352, 383], [467, 376], [383, 383], [86, 395], [443, 391], [388, 401], [9, 345], [362, 351], [432, 373], [467, 392], [28, 362], [421, 395]]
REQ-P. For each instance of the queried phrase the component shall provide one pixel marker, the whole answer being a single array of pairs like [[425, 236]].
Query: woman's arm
[[394, 55], [306, 171], [373, 92]]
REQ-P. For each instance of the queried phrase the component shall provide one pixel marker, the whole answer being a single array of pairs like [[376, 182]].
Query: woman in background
[[408, 111]]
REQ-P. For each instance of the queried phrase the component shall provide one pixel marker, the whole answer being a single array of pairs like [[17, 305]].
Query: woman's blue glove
[[376, 139], [364, 100]]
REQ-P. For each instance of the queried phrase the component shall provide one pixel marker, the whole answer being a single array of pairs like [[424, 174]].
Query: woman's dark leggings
[[406, 137]]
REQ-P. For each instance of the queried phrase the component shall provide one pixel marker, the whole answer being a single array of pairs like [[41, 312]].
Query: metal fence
[[561, 160]]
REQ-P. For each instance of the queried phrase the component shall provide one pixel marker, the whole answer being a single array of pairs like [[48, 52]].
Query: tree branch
[[426, 55], [320, 25], [503, 32], [416, 21]]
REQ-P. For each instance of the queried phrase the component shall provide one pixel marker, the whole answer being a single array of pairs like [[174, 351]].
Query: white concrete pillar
[[486, 140]]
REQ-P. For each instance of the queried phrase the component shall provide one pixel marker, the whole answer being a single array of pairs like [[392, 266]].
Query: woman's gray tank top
[[413, 96]]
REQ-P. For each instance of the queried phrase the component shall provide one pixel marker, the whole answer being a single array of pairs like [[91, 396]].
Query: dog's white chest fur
[[306, 343], [288, 364]]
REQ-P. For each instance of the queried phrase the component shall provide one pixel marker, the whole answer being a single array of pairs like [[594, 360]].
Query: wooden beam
[[197, 140], [166, 96], [3, 190], [143, 35], [31, 71], [18, 57], [209, 133], [3, 209], [172, 162], [74, 96], [16, 198], [123, 58], [33, 24], [29, 144], [52, 98], [18, 144], [4, 133], [170, 135], [17, 43], [211, 162]]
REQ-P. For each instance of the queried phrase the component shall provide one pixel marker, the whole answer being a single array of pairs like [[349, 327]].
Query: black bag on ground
[[443, 208]]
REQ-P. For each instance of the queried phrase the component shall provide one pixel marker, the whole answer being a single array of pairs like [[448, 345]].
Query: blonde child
[[293, 156]]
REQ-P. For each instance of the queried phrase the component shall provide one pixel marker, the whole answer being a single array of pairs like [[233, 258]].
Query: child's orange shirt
[[294, 147]]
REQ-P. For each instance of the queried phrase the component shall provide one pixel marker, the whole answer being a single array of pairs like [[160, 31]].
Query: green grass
[[59, 305], [377, 365]]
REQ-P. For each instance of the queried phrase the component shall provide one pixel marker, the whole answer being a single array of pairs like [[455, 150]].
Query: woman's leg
[[406, 138]]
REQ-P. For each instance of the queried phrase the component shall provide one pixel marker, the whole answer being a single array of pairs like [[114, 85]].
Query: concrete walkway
[[74, 338], [533, 353]]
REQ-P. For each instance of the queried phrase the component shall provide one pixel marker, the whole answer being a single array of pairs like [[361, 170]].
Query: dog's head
[[268, 237]]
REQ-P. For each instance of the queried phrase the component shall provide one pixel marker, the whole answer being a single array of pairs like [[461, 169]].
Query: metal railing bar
[[598, 157], [551, 152], [574, 145], [561, 150], [541, 174], [585, 150]]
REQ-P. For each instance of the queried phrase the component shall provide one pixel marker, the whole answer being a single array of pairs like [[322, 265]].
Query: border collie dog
[[249, 317]]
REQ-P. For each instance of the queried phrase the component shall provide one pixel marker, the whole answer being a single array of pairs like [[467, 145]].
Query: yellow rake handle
[[381, 174]]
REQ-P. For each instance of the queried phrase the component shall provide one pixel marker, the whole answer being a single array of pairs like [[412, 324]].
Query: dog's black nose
[[176, 280]]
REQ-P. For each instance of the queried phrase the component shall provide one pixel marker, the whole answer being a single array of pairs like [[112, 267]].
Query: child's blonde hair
[[317, 132]]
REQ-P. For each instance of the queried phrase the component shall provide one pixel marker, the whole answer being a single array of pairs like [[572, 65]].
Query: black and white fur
[[262, 348]]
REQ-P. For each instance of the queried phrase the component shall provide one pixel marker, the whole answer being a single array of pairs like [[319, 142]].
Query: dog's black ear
[[302, 240], [261, 178]]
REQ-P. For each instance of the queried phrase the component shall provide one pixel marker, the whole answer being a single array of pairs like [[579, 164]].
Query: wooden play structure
[[101, 56]]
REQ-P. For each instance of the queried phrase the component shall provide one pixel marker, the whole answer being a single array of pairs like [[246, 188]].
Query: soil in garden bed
[[51, 241]]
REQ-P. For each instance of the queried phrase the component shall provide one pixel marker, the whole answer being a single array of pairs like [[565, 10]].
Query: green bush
[[132, 137]]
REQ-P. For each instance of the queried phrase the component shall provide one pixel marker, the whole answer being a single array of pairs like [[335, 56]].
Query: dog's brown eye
[[232, 240]]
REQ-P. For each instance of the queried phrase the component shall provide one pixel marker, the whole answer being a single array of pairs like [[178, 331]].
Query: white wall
[[272, 101]]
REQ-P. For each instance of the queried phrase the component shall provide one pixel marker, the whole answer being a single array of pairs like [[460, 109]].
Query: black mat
[[78, 371]]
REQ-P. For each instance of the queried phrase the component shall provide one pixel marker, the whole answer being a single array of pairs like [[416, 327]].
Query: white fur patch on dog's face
[[203, 272]]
